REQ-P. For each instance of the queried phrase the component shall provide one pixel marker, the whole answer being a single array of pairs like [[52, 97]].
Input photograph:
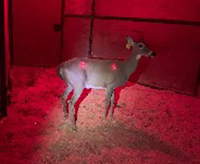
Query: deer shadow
[[140, 140]]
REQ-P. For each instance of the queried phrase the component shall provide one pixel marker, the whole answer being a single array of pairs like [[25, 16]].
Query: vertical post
[[10, 31], [3, 94], [10, 18], [62, 28], [196, 90], [91, 28]]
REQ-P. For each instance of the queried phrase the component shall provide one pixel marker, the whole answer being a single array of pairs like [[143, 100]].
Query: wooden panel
[[35, 41], [76, 38], [177, 47], [82, 7], [162, 9]]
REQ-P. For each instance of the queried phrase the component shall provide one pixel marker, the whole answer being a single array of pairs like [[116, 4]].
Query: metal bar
[[135, 19], [10, 15], [62, 28], [196, 90], [150, 20], [77, 16], [91, 28], [3, 91]]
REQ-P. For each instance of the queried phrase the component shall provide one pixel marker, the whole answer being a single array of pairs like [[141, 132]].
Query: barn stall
[[156, 118]]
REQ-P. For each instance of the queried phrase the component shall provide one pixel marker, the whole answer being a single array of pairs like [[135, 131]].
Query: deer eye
[[140, 45]]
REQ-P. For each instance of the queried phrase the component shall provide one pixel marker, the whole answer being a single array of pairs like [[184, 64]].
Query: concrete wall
[[160, 9], [171, 28]]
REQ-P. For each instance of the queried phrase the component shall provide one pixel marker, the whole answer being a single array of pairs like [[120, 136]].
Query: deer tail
[[59, 72]]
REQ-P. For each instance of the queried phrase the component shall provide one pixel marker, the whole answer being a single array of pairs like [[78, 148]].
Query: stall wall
[[76, 38], [159, 9], [171, 28], [177, 47], [36, 43]]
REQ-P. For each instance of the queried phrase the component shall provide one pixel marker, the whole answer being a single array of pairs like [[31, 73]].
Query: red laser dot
[[114, 66], [82, 64]]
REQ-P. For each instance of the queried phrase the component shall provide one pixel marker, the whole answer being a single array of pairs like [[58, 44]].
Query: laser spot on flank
[[82, 64], [114, 66]]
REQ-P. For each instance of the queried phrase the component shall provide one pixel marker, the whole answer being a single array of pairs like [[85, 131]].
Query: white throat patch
[[138, 56]]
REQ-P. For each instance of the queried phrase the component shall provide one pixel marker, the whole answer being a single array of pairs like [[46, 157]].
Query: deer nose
[[153, 54]]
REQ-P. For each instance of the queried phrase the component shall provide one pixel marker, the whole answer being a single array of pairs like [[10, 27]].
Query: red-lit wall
[[161, 9], [35, 41], [177, 45]]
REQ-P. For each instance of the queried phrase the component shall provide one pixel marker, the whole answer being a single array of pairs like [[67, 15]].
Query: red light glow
[[82, 64], [114, 66]]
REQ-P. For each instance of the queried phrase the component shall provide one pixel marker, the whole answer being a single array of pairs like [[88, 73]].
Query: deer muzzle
[[152, 54]]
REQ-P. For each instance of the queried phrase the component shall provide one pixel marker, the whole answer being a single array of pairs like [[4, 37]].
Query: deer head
[[139, 48]]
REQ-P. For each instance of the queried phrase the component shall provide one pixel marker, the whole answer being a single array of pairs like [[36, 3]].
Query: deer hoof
[[105, 117], [65, 116], [111, 116], [73, 128]]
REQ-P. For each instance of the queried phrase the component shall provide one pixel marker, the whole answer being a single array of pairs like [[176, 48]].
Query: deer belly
[[89, 86]]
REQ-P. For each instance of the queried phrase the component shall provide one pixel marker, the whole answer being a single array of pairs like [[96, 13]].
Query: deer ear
[[129, 43]]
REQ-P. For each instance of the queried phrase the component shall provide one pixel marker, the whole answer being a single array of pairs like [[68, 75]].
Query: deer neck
[[131, 63]]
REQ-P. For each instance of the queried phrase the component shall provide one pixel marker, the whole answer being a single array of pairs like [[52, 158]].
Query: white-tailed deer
[[80, 73]]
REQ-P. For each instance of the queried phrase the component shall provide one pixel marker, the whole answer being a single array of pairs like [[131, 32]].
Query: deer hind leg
[[77, 93], [112, 104], [63, 99], [109, 93]]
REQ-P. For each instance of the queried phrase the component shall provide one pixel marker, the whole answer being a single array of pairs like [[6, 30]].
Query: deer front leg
[[63, 99], [107, 103], [71, 110], [112, 104]]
